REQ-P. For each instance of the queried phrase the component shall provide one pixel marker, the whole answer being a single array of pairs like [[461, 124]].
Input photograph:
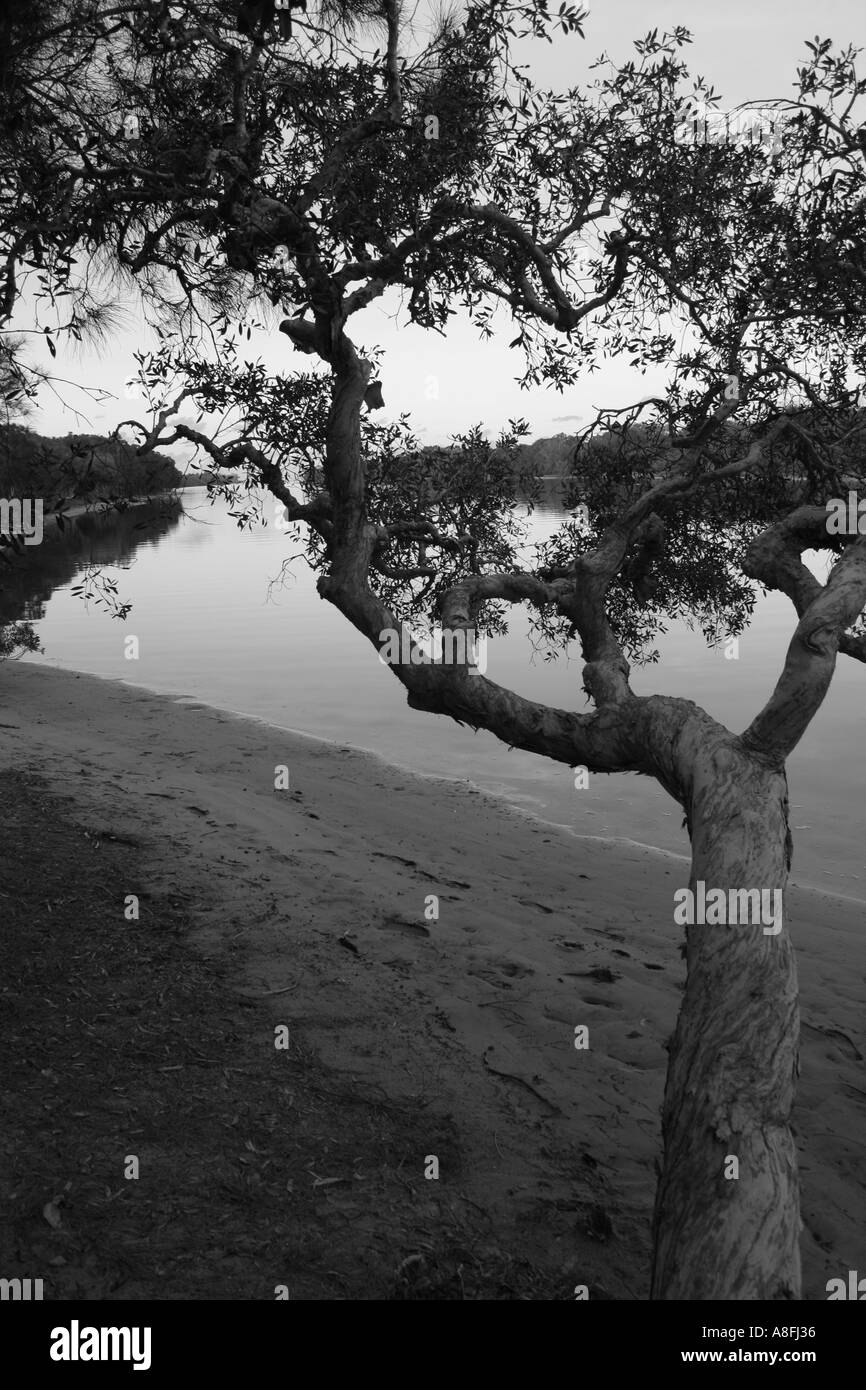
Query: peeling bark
[[733, 1058]]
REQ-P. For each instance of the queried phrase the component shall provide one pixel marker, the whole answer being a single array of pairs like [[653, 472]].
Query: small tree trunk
[[733, 1060]]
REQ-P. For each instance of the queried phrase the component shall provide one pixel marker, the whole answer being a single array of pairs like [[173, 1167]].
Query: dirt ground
[[410, 1037], [257, 1167]]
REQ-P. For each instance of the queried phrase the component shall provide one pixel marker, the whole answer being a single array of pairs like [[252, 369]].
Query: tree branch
[[825, 613]]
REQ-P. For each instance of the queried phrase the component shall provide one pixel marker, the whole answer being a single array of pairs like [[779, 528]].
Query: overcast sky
[[746, 49]]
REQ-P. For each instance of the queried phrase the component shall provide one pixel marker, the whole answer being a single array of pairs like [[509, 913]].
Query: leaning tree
[[288, 170]]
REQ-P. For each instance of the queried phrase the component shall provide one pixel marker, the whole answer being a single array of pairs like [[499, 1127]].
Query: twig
[[509, 1076], [265, 993]]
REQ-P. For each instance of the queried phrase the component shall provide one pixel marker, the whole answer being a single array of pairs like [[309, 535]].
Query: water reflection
[[29, 576]]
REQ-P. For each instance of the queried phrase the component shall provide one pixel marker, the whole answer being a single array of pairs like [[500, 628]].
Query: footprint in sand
[[400, 924], [489, 966]]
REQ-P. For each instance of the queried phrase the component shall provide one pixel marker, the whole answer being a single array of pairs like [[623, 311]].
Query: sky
[[748, 50]]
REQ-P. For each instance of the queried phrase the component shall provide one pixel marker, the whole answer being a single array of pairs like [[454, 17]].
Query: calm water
[[209, 628]]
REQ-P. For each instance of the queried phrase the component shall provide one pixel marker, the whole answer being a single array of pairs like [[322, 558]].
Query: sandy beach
[[473, 1014]]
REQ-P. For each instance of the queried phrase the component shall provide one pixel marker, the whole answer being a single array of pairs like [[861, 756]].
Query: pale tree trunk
[[733, 1059]]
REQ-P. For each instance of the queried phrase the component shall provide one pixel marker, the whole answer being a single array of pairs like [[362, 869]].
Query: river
[[212, 626]]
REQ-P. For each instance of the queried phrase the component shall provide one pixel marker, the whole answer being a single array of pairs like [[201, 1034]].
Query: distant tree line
[[79, 467]]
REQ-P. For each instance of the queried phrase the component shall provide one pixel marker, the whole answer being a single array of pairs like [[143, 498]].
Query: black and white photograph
[[432, 664]]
